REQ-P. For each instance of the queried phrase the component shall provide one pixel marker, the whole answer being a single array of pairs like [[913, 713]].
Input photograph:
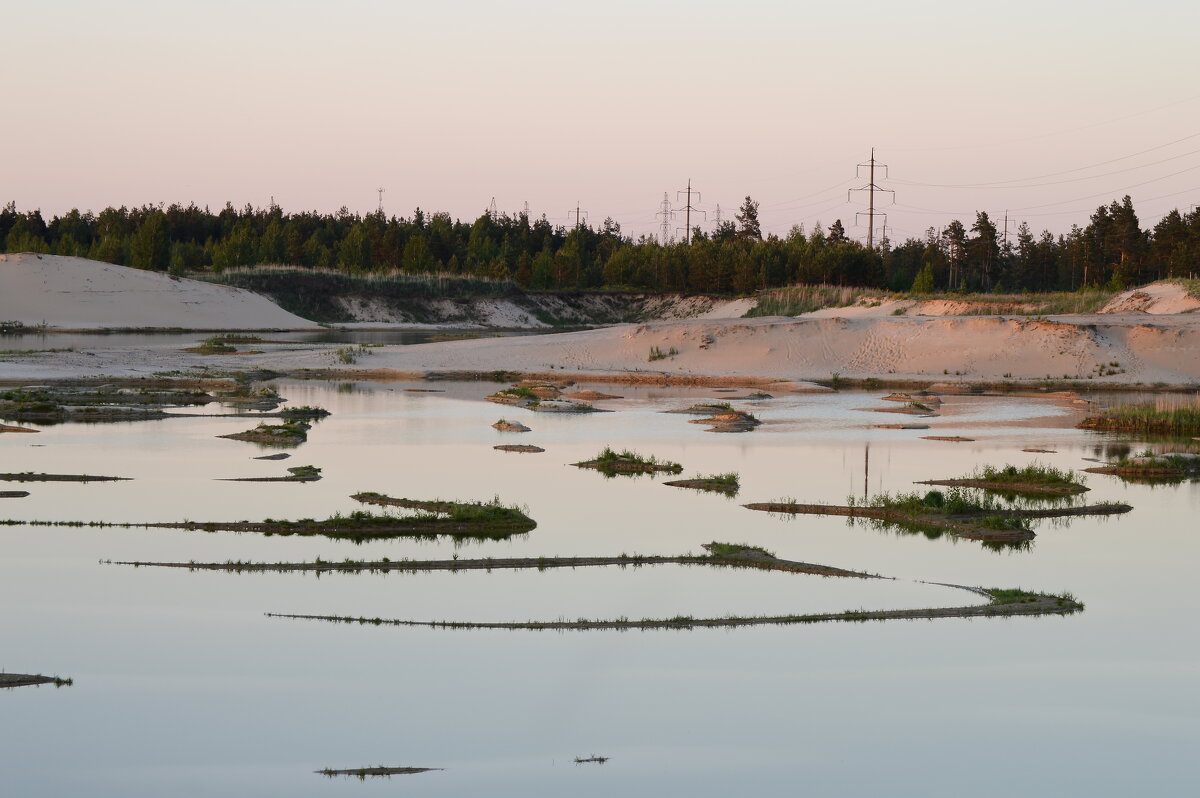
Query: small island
[[1031, 480], [288, 434], [727, 483], [610, 463], [953, 512]]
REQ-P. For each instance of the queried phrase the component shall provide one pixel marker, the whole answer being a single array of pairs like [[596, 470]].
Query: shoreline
[[1033, 388]]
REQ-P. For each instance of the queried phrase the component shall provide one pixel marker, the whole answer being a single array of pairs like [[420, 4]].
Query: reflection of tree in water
[[1112, 451]]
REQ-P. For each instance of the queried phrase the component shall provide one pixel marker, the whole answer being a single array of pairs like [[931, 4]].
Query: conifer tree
[[747, 219]]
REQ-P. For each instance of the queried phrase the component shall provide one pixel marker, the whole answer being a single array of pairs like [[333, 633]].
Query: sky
[[1044, 110]]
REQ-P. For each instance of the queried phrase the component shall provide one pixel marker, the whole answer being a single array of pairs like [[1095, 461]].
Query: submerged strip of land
[[1023, 604], [988, 524], [737, 557], [1001, 602], [439, 518], [29, 476], [31, 679]]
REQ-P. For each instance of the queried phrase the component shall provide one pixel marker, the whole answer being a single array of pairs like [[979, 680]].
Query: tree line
[[1112, 251]]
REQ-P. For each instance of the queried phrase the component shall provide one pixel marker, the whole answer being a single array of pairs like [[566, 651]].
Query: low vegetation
[[722, 555], [29, 476], [290, 433], [13, 327], [720, 550], [482, 520], [1151, 467], [1006, 596], [304, 411], [1034, 479], [314, 293], [493, 510], [1001, 602], [954, 512], [10, 680], [378, 771], [704, 408], [349, 355], [539, 397], [799, 299], [224, 344], [1158, 419], [728, 483], [796, 300], [44, 405], [610, 463], [304, 473], [729, 421]]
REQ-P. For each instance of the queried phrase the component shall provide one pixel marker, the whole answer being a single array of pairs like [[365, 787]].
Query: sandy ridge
[[78, 293]]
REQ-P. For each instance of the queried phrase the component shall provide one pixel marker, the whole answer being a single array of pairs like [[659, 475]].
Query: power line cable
[[1009, 183], [1089, 210], [1109, 192], [1051, 134], [813, 194]]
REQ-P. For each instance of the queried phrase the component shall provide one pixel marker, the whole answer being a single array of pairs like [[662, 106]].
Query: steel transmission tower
[[871, 188], [667, 215]]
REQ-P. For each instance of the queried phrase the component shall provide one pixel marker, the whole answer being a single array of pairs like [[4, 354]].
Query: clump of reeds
[[1032, 474], [1166, 416]]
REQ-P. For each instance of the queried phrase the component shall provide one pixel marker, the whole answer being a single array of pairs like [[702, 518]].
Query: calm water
[[183, 687]]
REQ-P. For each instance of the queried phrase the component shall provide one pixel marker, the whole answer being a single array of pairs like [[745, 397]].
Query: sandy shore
[[1103, 349], [1143, 349], [1116, 348]]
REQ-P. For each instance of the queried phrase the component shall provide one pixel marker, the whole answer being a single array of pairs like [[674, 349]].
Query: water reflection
[[254, 706]]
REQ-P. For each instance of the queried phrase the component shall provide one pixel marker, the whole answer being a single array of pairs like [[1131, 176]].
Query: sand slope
[[1156, 298], [79, 293], [1146, 349], [993, 348], [1163, 298]]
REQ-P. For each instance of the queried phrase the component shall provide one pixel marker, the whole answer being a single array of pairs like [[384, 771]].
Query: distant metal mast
[[871, 188]]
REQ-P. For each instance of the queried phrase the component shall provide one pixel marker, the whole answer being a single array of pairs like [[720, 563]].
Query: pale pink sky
[[609, 104]]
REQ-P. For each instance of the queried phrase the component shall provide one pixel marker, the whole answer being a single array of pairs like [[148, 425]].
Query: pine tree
[[747, 219], [837, 233]]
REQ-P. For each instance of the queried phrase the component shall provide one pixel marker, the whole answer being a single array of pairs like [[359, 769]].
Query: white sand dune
[[1156, 298], [78, 293]]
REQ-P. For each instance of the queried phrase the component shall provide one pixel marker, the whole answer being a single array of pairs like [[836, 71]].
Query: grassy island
[[1031, 480], [610, 463], [935, 513]]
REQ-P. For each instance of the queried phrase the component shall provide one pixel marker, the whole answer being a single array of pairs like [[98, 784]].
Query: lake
[[184, 687]]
